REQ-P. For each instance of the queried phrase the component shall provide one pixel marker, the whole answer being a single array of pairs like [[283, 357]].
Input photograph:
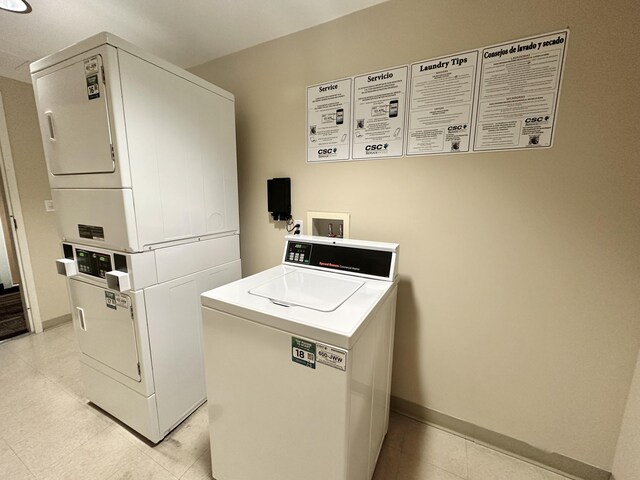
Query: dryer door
[[105, 328], [74, 119]]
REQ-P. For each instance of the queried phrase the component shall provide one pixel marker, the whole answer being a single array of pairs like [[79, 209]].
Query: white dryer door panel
[[101, 217], [105, 327], [74, 118]]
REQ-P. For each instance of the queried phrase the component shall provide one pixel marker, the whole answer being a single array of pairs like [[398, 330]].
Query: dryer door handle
[[52, 128], [81, 320]]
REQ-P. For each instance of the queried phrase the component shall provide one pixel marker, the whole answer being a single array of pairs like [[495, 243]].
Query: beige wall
[[33, 186], [519, 297], [626, 464]]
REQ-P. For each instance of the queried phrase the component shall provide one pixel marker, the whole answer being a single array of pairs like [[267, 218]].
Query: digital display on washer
[[299, 252], [93, 263], [340, 257]]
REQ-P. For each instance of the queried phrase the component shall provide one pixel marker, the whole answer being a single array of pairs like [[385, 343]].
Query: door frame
[[18, 232]]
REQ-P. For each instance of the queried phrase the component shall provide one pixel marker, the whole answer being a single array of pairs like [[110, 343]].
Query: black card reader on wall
[[279, 198]]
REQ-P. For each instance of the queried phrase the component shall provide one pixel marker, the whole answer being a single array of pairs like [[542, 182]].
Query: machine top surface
[[324, 303]]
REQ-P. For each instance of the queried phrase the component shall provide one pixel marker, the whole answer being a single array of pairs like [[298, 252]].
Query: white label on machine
[[331, 356], [91, 66], [122, 300], [110, 300]]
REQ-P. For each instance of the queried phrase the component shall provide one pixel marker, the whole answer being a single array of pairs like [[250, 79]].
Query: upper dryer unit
[[139, 152]]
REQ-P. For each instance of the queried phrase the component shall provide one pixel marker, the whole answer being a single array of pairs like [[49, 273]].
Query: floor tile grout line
[[142, 451], [31, 472]]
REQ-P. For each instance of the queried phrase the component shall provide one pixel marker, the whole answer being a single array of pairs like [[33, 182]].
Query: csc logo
[[377, 147], [536, 119], [327, 151], [455, 128]]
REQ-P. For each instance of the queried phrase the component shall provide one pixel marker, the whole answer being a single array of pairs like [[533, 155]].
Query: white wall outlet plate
[[48, 206], [296, 222]]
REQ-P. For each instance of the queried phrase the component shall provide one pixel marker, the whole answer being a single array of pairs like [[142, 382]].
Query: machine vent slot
[[120, 262], [68, 251]]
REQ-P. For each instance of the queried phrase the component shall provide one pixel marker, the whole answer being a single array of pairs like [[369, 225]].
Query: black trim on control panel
[[340, 257]]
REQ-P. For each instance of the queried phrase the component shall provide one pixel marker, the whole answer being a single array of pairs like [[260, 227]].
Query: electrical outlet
[[301, 228]]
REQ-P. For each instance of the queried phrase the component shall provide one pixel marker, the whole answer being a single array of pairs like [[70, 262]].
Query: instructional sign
[[303, 352], [441, 104], [519, 87], [379, 114], [328, 120]]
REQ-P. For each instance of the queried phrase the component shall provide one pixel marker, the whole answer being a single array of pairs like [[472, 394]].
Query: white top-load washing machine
[[298, 363], [142, 167]]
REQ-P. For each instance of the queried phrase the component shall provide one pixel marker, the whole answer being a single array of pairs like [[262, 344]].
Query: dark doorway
[[13, 321]]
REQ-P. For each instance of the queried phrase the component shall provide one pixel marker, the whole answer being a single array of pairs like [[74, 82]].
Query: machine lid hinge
[[113, 154], [104, 79], [139, 371], [131, 309]]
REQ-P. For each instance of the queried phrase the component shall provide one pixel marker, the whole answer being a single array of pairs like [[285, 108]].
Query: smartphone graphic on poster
[[393, 108], [340, 116]]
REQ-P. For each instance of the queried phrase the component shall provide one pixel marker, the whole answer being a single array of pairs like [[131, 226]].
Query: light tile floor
[[48, 431]]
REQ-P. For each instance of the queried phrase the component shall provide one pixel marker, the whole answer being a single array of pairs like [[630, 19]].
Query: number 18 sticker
[[303, 352]]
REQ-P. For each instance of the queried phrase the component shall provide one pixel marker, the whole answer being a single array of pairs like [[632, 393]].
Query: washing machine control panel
[[349, 258], [298, 252], [91, 263]]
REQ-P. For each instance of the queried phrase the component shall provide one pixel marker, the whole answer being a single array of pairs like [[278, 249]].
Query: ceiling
[[184, 33]]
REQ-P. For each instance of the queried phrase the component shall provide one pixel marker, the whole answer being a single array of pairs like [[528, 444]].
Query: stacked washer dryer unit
[[142, 168]]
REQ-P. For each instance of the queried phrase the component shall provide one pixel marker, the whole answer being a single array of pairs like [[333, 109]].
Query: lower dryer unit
[[141, 348]]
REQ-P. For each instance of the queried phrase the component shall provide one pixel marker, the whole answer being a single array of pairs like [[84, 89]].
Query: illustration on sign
[[328, 120], [379, 114], [518, 93], [442, 96]]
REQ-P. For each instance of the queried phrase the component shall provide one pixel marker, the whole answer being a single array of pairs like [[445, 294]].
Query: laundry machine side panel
[[182, 144], [271, 417], [361, 387], [382, 360], [175, 338]]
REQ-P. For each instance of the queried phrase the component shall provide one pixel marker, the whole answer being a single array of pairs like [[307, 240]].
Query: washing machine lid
[[307, 289]]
